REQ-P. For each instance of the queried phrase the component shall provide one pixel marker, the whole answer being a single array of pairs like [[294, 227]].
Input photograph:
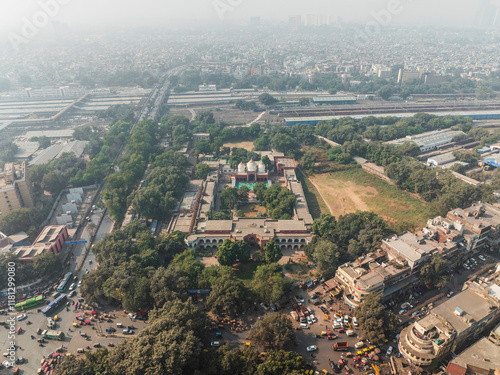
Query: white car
[[7, 364], [314, 319], [72, 286], [304, 326], [215, 343], [22, 317], [79, 284], [312, 348], [359, 344], [389, 351], [449, 294], [481, 257], [336, 325], [309, 320], [401, 312], [355, 322], [346, 319]]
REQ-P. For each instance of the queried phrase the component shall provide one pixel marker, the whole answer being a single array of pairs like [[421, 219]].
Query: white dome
[[241, 167], [251, 166], [262, 167]]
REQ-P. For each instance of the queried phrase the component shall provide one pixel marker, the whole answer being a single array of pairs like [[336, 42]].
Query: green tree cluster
[[231, 251], [375, 320], [279, 201]]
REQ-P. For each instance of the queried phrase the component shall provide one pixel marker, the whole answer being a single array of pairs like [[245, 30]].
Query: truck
[[53, 335], [338, 346], [294, 315]]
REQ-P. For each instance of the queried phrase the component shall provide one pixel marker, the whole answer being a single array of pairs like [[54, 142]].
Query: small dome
[[251, 166], [241, 167], [262, 167]]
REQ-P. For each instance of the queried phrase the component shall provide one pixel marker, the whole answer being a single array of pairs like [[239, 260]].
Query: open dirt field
[[352, 190], [246, 145]]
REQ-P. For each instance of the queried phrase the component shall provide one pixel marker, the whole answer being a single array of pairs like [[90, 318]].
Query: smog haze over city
[[250, 187]]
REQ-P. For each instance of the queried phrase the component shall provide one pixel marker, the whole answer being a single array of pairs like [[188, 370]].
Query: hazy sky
[[122, 13]]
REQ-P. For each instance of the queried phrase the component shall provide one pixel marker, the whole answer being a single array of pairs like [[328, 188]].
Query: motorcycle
[[28, 322]]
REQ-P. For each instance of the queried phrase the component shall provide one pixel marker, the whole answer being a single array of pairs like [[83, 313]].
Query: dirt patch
[[343, 197], [246, 145]]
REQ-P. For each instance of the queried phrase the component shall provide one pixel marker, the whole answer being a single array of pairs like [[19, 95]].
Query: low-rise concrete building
[[454, 323]]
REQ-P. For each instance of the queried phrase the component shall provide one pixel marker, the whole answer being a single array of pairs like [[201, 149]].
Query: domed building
[[252, 172]]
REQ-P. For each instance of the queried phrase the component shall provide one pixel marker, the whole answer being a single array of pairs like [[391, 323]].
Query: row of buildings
[[393, 270]]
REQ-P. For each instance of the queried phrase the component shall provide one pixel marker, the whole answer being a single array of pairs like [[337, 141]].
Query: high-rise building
[[295, 22], [15, 188]]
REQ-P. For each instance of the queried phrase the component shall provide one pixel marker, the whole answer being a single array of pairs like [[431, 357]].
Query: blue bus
[[47, 310], [65, 281]]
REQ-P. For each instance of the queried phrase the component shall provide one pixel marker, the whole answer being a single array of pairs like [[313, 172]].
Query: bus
[[47, 310], [65, 281], [29, 303]]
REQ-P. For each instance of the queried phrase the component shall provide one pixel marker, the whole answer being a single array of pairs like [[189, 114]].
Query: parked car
[[450, 293], [313, 318], [401, 312], [309, 320], [215, 343], [389, 351], [128, 332], [346, 319], [22, 317], [72, 293], [312, 348], [110, 330], [72, 286], [355, 322], [79, 284], [336, 325], [359, 344], [300, 299], [304, 326], [481, 257], [264, 306]]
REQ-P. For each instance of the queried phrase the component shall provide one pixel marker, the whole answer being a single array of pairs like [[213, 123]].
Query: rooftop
[[474, 307], [483, 356], [410, 246]]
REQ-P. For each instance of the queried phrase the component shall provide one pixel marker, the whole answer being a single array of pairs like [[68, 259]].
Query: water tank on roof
[[251, 166], [241, 168]]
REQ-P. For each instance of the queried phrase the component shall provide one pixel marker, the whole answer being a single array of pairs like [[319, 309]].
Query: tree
[[275, 330], [202, 170], [229, 197], [267, 162], [431, 273], [228, 295], [230, 251], [243, 193], [269, 284], [267, 99], [280, 362], [259, 189], [304, 101], [45, 263], [272, 252], [374, 319], [285, 143], [385, 92], [54, 182], [308, 160], [326, 256]]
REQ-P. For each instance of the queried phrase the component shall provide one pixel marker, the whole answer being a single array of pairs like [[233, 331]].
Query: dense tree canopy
[[375, 320], [275, 330]]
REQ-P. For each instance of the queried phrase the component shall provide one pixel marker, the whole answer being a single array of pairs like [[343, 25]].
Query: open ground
[[354, 189]]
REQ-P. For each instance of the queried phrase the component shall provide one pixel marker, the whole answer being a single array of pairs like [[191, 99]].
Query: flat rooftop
[[474, 306], [483, 355], [409, 247]]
